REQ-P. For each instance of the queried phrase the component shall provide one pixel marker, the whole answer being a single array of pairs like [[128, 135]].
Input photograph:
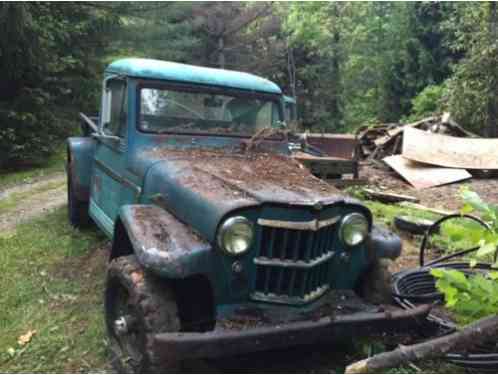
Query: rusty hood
[[202, 186]]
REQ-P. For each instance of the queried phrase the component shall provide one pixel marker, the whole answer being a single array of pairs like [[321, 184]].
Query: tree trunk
[[492, 123]]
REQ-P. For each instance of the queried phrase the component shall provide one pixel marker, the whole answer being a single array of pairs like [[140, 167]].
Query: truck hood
[[201, 186]]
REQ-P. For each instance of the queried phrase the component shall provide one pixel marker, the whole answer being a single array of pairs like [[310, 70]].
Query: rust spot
[[149, 224], [137, 276], [97, 183], [157, 229]]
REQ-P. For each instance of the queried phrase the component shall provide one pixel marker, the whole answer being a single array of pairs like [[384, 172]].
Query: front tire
[[138, 305]]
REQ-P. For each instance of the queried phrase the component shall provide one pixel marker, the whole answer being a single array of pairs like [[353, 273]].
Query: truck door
[[110, 155]]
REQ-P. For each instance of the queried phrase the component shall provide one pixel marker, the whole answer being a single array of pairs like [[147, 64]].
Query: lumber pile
[[431, 152], [381, 140]]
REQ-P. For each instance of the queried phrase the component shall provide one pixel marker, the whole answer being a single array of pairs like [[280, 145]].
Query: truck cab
[[222, 242]]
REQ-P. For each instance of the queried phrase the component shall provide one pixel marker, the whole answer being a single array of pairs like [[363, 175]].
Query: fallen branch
[[388, 197], [474, 334]]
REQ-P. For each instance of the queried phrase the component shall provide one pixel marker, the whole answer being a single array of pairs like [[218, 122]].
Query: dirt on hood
[[247, 174]]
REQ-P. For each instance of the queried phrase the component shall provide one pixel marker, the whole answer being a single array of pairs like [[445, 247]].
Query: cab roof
[[170, 71]]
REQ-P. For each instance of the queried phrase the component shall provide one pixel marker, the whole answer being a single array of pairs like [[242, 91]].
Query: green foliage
[[371, 58], [470, 298], [354, 63], [49, 56], [475, 296], [428, 101], [29, 131], [472, 88]]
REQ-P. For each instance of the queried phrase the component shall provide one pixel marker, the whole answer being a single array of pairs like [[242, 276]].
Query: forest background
[[346, 63]]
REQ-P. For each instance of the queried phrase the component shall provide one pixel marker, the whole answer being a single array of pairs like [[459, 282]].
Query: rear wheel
[[77, 210], [138, 305]]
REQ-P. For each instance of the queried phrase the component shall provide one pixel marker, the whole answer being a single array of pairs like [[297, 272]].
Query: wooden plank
[[387, 197], [422, 176], [452, 152], [425, 208]]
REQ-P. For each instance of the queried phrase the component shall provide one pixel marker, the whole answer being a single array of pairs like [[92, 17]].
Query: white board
[[422, 176], [452, 152]]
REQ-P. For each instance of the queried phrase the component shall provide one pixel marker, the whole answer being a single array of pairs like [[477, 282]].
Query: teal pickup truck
[[222, 243]]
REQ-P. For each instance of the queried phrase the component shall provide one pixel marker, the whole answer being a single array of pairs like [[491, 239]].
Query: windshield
[[170, 110]]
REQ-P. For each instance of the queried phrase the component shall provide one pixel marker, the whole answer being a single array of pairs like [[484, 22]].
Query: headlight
[[354, 229], [235, 235]]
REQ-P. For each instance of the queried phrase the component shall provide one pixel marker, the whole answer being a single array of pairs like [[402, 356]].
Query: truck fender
[[163, 244], [80, 153], [382, 243]]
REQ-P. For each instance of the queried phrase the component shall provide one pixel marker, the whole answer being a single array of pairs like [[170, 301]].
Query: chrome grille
[[293, 264]]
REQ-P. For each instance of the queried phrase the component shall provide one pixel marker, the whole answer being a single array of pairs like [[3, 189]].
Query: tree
[[473, 93], [50, 54]]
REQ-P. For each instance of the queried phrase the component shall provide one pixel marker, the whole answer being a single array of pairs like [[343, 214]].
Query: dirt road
[[25, 201]]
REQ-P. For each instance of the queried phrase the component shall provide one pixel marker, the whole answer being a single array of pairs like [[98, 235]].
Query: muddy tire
[[77, 210], [375, 284], [137, 306]]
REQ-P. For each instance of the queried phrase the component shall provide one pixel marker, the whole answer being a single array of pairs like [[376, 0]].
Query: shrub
[[428, 101]]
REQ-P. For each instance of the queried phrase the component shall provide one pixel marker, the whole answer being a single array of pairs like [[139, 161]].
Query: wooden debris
[[422, 176], [386, 197], [381, 140], [479, 332], [448, 151], [342, 183]]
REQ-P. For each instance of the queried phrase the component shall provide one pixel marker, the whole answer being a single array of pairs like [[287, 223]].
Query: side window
[[118, 109]]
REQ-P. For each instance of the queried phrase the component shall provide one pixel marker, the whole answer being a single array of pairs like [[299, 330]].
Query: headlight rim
[[226, 225], [344, 220]]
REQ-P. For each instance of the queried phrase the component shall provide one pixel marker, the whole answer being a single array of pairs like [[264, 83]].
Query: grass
[[53, 165], [52, 278], [387, 212], [455, 235]]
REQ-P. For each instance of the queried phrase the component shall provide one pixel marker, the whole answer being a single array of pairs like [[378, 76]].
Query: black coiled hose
[[417, 286]]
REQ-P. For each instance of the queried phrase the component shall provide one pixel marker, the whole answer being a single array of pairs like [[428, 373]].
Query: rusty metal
[[334, 145], [89, 122], [163, 244], [226, 342]]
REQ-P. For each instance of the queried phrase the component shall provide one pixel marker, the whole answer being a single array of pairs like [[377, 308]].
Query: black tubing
[[417, 286], [432, 229]]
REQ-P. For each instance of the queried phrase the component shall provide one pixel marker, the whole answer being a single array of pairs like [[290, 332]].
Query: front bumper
[[232, 340]]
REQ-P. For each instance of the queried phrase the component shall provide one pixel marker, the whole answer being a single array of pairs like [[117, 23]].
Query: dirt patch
[[90, 265], [442, 197], [33, 205], [32, 185]]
